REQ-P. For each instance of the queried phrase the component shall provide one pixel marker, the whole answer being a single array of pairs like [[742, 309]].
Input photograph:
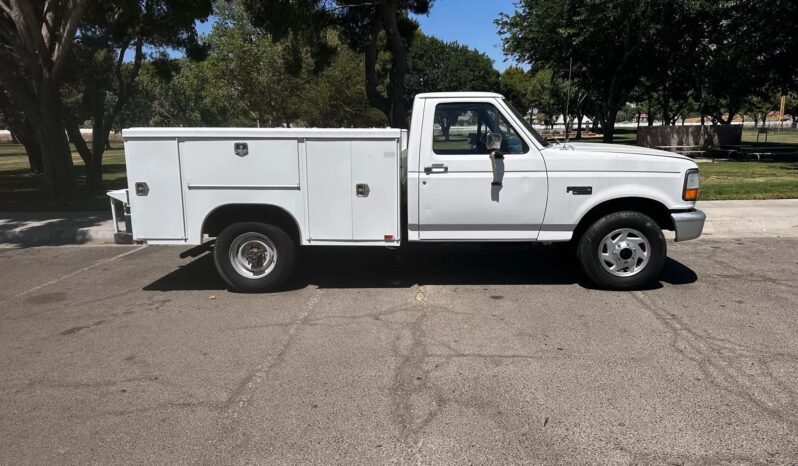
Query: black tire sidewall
[[589, 244], [286, 254]]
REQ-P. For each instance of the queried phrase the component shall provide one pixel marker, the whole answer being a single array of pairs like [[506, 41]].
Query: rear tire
[[622, 250], [254, 257]]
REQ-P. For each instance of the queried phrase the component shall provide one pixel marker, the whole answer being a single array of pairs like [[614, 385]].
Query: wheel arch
[[655, 209], [226, 214]]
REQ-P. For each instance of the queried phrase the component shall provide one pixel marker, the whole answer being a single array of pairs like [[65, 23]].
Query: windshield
[[543, 142]]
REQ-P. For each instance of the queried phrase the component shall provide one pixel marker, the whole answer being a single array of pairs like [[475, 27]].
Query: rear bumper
[[688, 225], [120, 196]]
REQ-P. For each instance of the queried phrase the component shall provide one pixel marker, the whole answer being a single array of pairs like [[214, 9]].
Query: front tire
[[622, 250], [254, 257]]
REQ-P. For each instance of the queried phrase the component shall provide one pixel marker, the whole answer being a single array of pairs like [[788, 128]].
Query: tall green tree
[[336, 96], [102, 76], [259, 78], [547, 93], [36, 37], [745, 49], [438, 66], [515, 84], [670, 66], [366, 25], [608, 41]]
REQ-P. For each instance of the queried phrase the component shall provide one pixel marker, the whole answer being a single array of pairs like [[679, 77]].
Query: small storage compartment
[[353, 190], [156, 201], [329, 174], [240, 163], [375, 213]]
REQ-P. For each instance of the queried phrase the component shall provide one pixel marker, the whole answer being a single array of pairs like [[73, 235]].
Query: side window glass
[[462, 128]]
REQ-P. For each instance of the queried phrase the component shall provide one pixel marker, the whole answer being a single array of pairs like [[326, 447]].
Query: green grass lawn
[[749, 180], [775, 136], [20, 190]]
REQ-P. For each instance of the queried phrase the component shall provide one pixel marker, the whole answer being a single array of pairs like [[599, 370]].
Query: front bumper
[[688, 225]]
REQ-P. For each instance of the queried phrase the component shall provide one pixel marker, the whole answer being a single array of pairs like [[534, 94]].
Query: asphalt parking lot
[[495, 354]]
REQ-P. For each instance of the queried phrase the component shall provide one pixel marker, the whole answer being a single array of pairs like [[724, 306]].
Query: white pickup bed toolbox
[[341, 186]]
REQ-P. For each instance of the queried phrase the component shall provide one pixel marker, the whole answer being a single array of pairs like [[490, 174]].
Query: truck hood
[[618, 149], [613, 157]]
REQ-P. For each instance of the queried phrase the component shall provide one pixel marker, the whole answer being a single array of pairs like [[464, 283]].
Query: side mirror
[[493, 141]]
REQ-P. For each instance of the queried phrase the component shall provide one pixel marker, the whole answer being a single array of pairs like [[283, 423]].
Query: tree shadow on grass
[[438, 264], [23, 191]]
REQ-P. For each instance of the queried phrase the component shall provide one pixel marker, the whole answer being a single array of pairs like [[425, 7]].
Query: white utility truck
[[471, 168]]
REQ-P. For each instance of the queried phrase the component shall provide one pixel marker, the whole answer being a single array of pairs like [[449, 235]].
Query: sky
[[469, 22]]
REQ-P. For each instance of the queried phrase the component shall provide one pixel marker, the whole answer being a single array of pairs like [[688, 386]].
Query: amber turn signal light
[[692, 185]]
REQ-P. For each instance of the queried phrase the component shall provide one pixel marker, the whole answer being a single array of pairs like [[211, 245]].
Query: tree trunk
[[579, 126], [28, 140], [56, 154], [651, 115], [371, 55], [638, 118], [608, 124], [398, 46], [91, 156]]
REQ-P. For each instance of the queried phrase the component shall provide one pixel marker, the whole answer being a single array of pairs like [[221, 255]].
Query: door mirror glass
[[493, 141]]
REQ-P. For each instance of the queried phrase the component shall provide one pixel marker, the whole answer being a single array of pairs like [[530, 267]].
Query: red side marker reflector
[[388, 237]]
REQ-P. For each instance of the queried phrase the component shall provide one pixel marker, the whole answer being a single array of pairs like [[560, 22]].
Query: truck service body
[[470, 169]]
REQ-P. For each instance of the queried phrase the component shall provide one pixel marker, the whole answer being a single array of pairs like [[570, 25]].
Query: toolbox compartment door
[[155, 191]]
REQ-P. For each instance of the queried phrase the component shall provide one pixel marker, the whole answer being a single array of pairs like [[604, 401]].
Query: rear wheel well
[[226, 215], [654, 209]]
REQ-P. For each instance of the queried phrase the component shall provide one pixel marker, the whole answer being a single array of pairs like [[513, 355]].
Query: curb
[[55, 228]]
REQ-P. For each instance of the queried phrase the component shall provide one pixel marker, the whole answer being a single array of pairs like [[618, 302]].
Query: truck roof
[[433, 95]]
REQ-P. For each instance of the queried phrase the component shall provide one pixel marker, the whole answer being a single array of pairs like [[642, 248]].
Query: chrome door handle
[[436, 168]]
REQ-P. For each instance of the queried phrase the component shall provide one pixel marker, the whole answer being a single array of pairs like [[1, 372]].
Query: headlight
[[692, 184]]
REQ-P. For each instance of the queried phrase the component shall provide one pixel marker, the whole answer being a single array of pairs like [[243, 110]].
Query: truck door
[[457, 194]]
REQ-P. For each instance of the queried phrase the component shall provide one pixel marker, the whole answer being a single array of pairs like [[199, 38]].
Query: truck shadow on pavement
[[466, 264]]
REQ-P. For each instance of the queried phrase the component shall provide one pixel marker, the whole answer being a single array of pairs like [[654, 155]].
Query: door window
[[462, 128]]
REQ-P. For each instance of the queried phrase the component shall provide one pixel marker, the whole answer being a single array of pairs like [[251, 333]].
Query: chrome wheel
[[624, 252], [253, 255]]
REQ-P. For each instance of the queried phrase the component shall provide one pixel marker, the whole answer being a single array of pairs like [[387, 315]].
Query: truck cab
[[471, 168]]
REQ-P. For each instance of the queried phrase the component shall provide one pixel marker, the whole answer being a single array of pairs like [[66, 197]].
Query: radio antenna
[[568, 100]]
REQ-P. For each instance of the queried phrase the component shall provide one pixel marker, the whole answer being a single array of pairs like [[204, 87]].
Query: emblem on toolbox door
[[241, 149]]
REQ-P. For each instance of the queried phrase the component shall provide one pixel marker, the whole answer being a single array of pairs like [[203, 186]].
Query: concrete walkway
[[725, 219], [765, 219]]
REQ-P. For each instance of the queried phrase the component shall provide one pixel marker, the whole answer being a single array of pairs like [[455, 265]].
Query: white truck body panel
[[159, 215], [314, 175], [309, 173], [461, 204]]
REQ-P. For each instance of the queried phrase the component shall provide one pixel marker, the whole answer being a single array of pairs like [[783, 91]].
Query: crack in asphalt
[[718, 360], [246, 389], [416, 402]]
